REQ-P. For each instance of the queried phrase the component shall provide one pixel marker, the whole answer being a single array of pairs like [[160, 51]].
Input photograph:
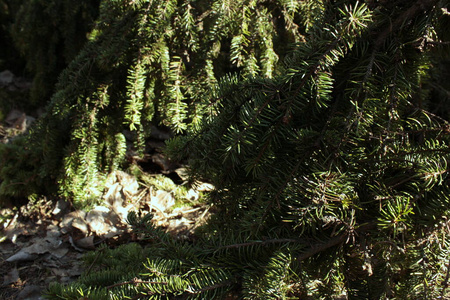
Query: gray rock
[[6, 77]]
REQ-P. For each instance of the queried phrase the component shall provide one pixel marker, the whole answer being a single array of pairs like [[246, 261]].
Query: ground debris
[[45, 240]]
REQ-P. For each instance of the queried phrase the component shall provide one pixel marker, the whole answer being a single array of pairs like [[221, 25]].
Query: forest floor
[[44, 241], [30, 257]]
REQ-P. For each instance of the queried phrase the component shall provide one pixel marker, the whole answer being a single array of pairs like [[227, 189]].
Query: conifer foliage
[[146, 62], [331, 173], [340, 153]]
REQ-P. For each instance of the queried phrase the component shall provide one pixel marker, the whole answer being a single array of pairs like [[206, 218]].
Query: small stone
[[6, 77]]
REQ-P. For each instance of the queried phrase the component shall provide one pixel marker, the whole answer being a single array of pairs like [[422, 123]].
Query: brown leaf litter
[[44, 241]]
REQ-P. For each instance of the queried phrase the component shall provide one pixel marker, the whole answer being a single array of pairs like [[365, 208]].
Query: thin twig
[[447, 277], [332, 242], [272, 241], [92, 264], [417, 8], [136, 281], [212, 287]]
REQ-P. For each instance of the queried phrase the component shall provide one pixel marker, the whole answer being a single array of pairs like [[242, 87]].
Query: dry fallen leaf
[[128, 182], [81, 225], [86, 243], [30, 292], [96, 219], [22, 255], [204, 187], [66, 223], [38, 246], [162, 201]]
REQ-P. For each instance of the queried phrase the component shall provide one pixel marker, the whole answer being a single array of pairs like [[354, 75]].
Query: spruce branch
[[330, 150]]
